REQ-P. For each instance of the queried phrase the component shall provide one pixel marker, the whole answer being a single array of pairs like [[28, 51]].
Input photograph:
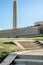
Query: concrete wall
[[17, 32]]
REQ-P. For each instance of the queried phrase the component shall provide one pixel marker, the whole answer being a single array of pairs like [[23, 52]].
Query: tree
[[40, 29]]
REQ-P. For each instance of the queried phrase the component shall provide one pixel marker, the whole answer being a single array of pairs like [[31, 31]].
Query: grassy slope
[[37, 38], [5, 49]]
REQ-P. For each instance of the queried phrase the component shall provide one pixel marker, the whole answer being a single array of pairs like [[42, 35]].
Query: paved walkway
[[31, 52]]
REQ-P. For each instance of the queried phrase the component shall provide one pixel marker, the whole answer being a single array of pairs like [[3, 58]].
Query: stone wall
[[18, 32]]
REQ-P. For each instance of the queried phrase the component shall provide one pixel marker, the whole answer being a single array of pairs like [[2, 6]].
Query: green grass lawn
[[37, 38], [5, 49]]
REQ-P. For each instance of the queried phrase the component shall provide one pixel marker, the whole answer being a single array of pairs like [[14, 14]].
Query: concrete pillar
[[15, 15]]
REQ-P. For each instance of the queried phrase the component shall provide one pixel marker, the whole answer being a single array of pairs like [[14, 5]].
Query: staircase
[[40, 43], [28, 60], [28, 44], [33, 57]]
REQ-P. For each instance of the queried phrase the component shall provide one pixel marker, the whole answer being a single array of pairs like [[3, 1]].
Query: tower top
[[15, 0]]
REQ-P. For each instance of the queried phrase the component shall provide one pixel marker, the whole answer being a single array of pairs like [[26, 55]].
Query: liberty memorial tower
[[15, 15]]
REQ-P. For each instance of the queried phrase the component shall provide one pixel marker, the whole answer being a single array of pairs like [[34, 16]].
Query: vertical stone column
[[15, 15]]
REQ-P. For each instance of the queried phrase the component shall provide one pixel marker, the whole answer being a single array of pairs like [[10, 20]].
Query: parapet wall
[[17, 32]]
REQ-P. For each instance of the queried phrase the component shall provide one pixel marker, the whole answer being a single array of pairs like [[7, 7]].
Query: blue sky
[[29, 12]]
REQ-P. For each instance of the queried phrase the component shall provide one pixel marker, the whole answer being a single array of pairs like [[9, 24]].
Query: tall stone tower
[[15, 15]]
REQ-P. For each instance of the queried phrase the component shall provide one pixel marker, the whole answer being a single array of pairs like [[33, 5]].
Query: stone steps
[[29, 44], [28, 60], [32, 57], [22, 59]]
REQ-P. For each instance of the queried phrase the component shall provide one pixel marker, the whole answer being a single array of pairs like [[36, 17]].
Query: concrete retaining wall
[[17, 32]]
